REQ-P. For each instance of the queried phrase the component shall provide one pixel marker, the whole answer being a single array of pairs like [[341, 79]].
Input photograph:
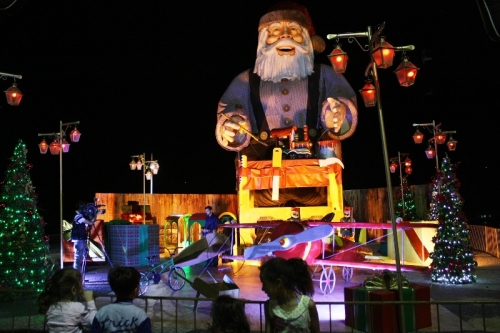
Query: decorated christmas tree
[[24, 254], [452, 259], [405, 202]]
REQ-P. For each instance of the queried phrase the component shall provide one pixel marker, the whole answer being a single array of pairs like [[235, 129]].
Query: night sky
[[146, 76]]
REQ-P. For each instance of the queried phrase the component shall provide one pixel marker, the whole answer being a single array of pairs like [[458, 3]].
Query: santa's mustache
[[285, 43]]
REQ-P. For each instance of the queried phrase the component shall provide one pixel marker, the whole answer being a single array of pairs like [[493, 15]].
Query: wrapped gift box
[[129, 245], [384, 318]]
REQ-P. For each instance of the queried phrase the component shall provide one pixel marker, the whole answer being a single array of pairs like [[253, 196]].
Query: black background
[[146, 76]]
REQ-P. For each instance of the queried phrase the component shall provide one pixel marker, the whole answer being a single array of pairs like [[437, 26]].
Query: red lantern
[[451, 144], [55, 148], [74, 136], [406, 73], [430, 152], [339, 59], [383, 54], [418, 137], [408, 170], [407, 162], [43, 147], [13, 95], [393, 167], [368, 93], [440, 137]]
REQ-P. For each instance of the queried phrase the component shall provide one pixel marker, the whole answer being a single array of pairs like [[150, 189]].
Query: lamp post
[[438, 137], [406, 163], [395, 162], [381, 55], [58, 147], [153, 167], [149, 169], [13, 93]]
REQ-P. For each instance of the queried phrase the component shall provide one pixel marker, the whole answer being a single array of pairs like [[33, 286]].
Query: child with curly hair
[[289, 286], [228, 316], [60, 302]]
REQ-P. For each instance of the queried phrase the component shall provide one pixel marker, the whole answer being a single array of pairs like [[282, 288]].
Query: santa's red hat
[[292, 11]]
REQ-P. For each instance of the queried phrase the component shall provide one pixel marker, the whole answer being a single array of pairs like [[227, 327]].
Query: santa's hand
[[335, 115], [231, 128]]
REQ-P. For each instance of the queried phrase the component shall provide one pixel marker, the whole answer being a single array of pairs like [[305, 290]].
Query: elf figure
[[347, 232]]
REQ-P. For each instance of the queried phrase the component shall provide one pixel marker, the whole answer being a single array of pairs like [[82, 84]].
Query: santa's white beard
[[270, 66]]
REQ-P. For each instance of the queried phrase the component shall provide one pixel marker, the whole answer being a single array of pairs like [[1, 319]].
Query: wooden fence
[[370, 205]]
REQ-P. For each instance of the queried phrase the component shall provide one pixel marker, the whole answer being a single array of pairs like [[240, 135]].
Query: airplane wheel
[[175, 278], [327, 280], [347, 273], [143, 284]]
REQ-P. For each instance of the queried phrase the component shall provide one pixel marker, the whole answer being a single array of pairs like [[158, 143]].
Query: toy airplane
[[285, 242]]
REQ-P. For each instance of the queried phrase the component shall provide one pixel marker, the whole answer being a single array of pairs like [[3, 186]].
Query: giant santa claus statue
[[285, 88]]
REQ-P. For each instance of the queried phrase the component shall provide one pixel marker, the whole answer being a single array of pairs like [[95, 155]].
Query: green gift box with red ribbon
[[384, 318]]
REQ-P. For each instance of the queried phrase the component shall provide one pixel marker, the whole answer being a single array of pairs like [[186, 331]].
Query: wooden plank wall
[[163, 205], [370, 205]]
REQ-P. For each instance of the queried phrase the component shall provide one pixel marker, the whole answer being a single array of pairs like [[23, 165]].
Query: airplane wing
[[287, 241]]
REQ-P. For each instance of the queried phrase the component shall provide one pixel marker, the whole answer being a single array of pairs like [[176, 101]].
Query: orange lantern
[[418, 137], [393, 167], [451, 144], [13, 95], [368, 93], [55, 148], [440, 137], [406, 73], [383, 54], [339, 59], [43, 147]]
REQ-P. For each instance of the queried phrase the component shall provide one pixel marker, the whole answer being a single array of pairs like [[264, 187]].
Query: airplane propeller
[[287, 241]]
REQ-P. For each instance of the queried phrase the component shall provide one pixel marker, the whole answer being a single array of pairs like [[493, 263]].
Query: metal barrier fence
[[18, 313]]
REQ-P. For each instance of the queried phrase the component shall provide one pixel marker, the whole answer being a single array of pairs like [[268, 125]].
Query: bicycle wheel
[[176, 278], [143, 284]]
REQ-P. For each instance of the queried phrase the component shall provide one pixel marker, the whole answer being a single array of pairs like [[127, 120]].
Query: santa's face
[[291, 31], [284, 52]]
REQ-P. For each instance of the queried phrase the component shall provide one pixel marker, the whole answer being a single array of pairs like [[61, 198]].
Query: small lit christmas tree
[[452, 259], [405, 202], [24, 254]]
